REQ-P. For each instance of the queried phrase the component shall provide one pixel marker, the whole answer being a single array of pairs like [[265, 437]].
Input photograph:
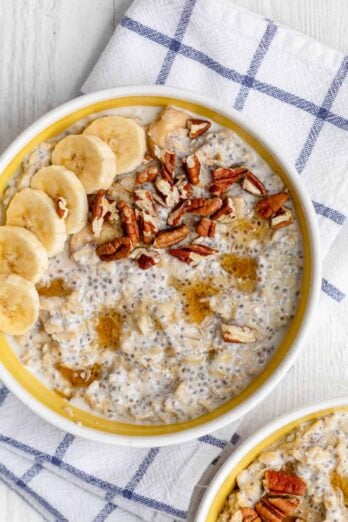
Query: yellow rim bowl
[[59, 411], [224, 482]]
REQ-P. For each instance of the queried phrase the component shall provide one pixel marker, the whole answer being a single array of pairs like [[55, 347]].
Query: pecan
[[197, 127], [147, 226], [282, 218], [223, 179], [279, 483], [276, 509], [206, 227], [168, 191], [128, 221], [168, 165], [96, 206], [267, 207], [178, 211], [145, 258], [147, 175], [184, 187], [102, 209], [192, 168], [148, 157], [249, 515], [227, 209], [143, 200], [119, 248], [169, 237], [238, 334], [191, 253], [61, 208], [205, 206], [253, 185]]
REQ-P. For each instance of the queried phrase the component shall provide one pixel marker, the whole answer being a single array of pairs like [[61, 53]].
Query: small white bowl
[[57, 410], [224, 481]]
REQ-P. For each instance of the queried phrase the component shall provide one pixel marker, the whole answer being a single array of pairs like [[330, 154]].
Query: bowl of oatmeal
[[293, 469], [159, 266]]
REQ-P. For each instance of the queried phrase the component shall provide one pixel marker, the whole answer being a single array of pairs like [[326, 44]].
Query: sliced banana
[[125, 137], [59, 182], [22, 253], [19, 304], [35, 211], [169, 122], [89, 157]]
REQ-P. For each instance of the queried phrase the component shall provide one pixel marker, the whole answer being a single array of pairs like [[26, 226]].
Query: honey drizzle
[[80, 377], [243, 269], [196, 294], [108, 328], [56, 288]]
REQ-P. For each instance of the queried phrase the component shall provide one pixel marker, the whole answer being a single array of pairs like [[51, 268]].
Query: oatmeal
[[169, 264], [304, 476]]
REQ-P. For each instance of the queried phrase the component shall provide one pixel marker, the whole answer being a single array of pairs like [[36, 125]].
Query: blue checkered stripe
[[248, 82]]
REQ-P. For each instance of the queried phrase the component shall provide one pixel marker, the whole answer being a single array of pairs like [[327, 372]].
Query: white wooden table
[[47, 49]]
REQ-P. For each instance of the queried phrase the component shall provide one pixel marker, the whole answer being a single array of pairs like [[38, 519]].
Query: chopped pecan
[[276, 509], [253, 185], [147, 226], [205, 206], [197, 127], [147, 175], [168, 191], [268, 206], [223, 179], [178, 211], [143, 200], [168, 165], [128, 221], [170, 237], [238, 334], [145, 258], [227, 209], [282, 218], [191, 253], [206, 227], [279, 483], [102, 209], [96, 206], [184, 187], [249, 515], [148, 156], [119, 248], [61, 208], [193, 168]]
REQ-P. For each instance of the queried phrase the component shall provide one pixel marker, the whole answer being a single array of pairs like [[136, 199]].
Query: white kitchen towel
[[293, 88]]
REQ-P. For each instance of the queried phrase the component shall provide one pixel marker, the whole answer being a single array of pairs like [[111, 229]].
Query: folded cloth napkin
[[293, 88]]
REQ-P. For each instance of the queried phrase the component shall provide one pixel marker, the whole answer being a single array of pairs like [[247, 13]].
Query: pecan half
[[206, 227], [267, 207], [168, 191], [147, 175], [178, 211], [223, 179], [143, 200], [276, 509], [279, 483], [184, 187], [282, 218], [197, 127], [145, 258], [147, 226], [253, 185], [170, 237], [128, 221], [205, 206], [227, 209], [238, 334], [119, 248], [61, 208], [193, 168], [191, 253]]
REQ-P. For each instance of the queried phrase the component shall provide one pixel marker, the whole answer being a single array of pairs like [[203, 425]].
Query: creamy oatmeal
[[304, 476], [168, 287]]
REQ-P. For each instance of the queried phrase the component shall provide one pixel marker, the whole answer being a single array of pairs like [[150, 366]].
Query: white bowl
[[224, 481], [54, 408]]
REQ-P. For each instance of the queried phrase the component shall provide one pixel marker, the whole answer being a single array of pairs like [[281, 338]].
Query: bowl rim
[[297, 416], [313, 292]]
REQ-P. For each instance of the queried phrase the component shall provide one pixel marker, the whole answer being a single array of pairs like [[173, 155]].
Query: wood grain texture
[[47, 49]]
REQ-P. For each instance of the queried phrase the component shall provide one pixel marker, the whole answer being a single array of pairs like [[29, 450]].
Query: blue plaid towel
[[296, 90]]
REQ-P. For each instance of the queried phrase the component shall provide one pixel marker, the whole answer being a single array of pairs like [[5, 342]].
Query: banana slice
[[22, 253], [89, 157], [125, 137], [19, 304], [59, 182], [34, 210]]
